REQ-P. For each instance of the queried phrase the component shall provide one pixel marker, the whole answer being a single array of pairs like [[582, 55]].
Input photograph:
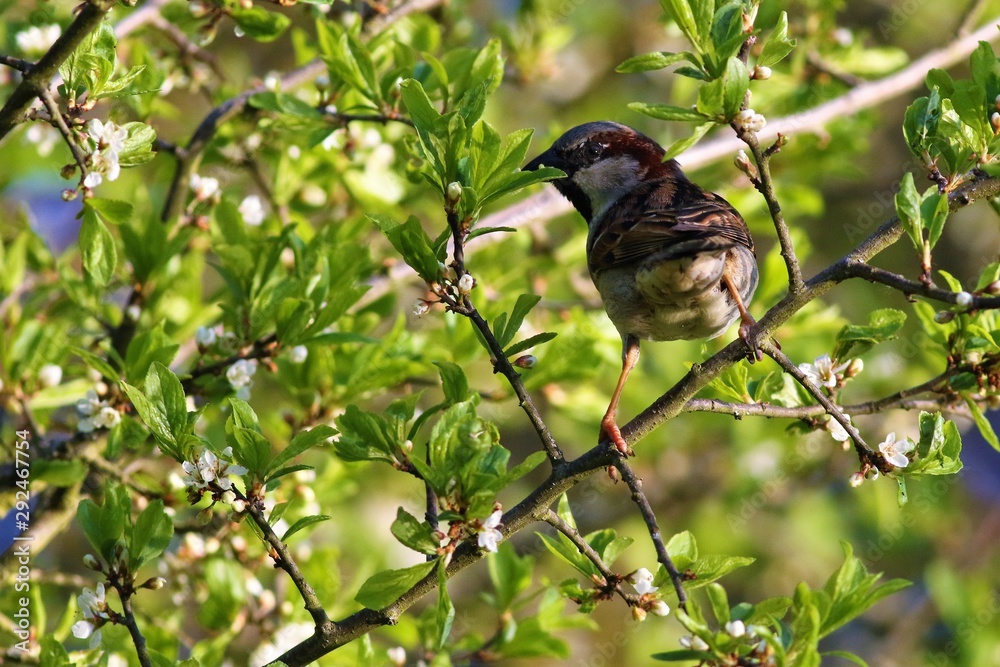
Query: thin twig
[[36, 80], [23, 66], [60, 122], [283, 559], [125, 592], [876, 275], [646, 509], [771, 411], [865, 453], [611, 581]]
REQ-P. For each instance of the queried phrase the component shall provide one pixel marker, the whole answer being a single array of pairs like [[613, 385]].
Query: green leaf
[[939, 449], [777, 45], [384, 588], [681, 12], [934, 211], [522, 307], [653, 61], [112, 211], [260, 24], [422, 112], [854, 340], [414, 533], [304, 440], [150, 535], [683, 550], [682, 145], [304, 522], [845, 655], [510, 573], [908, 210], [445, 610], [736, 80], [668, 112], [529, 343], [453, 382], [97, 248], [412, 243], [851, 591], [104, 525], [138, 144], [719, 602], [982, 423]]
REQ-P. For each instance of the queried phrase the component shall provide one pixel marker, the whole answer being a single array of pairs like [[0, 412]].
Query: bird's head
[[603, 161]]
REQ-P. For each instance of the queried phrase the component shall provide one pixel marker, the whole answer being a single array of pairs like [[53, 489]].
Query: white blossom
[[205, 336], [420, 307], [750, 120], [856, 480], [836, 429], [822, 372], [94, 608], [466, 283], [299, 354], [50, 375], [489, 536], [210, 468], [895, 451], [97, 413], [241, 372], [38, 39], [252, 210], [92, 180], [204, 187], [107, 136], [642, 581]]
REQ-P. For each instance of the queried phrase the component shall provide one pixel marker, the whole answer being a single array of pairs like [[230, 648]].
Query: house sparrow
[[671, 261]]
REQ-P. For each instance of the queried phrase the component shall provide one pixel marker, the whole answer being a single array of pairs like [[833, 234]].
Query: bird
[[671, 260]]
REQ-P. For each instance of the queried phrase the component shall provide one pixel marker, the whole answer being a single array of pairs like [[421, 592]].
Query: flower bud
[[995, 121], [736, 628], [856, 480], [454, 192], [526, 361], [993, 289], [466, 283], [762, 72], [421, 307], [154, 584], [639, 614], [871, 474], [90, 561], [660, 608], [69, 194], [944, 316], [964, 299], [854, 368]]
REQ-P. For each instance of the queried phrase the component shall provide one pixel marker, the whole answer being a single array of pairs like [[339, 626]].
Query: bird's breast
[[677, 299]]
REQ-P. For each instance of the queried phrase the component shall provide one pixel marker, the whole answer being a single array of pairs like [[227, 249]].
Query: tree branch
[[36, 81]]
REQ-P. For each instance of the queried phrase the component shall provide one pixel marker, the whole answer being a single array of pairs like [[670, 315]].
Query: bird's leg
[[609, 428], [747, 322]]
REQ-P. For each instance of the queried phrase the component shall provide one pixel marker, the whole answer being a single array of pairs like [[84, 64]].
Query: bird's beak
[[546, 159]]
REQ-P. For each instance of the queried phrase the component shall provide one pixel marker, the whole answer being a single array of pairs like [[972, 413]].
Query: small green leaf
[[445, 610], [668, 112], [736, 80], [304, 440], [854, 340], [260, 24], [112, 211], [150, 535], [934, 210], [384, 588], [682, 145], [777, 45], [411, 241], [453, 382], [683, 15], [908, 210], [982, 423], [304, 522], [654, 61], [422, 112], [97, 248], [529, 343], [414, 533]]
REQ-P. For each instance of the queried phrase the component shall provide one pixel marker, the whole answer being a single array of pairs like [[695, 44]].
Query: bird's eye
[[593, 149]]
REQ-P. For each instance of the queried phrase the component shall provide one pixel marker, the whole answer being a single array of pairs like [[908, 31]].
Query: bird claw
[[746, 335], [610, 431]]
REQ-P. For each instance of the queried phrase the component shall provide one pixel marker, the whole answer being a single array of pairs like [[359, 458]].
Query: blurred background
[[751, 486]]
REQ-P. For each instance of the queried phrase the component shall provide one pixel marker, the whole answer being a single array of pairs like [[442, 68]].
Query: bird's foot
[[610, 431], [746, 335]]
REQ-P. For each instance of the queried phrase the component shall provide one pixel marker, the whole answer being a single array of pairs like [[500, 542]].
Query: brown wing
[[690, 222]]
